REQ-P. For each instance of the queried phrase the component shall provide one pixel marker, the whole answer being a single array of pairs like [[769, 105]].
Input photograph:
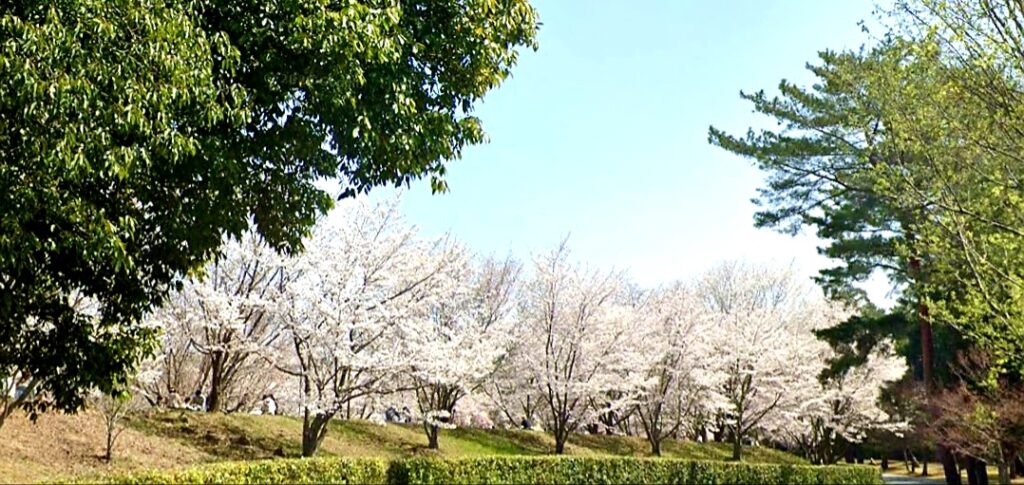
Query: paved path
[[902, 480]]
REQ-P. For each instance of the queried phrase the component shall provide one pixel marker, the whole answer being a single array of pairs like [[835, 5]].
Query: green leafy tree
[[966, 130], [136, 135], [821, 167], [841, 165]]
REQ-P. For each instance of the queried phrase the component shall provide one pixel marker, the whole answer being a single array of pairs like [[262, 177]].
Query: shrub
[[608, 470], [314, 470], [507, 470]]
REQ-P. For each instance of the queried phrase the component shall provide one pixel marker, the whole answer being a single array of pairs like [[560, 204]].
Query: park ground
[[62, 446], [898, 474]]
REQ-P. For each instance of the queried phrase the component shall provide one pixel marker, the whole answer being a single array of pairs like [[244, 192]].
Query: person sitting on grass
[[268, 405], [174, 400], [198, 401]]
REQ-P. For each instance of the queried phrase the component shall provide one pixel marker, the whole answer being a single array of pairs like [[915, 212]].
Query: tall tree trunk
[[927, 363], [972, 472], [927, 347], [216, 381], [737, 446], [949, 468]]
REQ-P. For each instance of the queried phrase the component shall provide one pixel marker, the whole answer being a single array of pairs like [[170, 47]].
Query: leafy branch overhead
[[136, 135]]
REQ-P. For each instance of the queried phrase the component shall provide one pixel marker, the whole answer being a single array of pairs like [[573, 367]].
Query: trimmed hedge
[[614, 470], [508, 470], [313, 470]]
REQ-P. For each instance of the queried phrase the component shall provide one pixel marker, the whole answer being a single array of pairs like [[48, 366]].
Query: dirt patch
[[59, 445]]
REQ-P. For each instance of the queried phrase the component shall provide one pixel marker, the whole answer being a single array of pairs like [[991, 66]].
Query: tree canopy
[[137, 135]]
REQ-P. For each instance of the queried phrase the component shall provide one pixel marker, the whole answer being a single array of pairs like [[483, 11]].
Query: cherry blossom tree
[[574, 322], [846, 407], [225, 316], [373, 311], [678, 378], [363, 276], [457, 346], [513, 388], [763, 343]]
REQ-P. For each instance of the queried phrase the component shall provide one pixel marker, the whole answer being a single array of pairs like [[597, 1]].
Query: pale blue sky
[[602, 134]]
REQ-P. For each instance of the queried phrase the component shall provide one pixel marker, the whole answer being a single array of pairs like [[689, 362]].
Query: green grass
[[245, 437]]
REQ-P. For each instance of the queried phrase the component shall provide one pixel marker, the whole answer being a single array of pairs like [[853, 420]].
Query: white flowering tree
[[766, 354], [224, 317], [678, 375], [457, 346], [846, 407], [512, 387], [575, 321], [362, 278]]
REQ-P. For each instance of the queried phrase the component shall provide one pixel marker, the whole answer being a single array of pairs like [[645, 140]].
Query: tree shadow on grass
[[225, 437]]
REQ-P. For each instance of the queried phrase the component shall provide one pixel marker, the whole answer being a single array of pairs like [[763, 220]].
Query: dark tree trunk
[[1004, 474], [737, 446], [949, 468], [216, 380], [432, 434], [561, 435], [109, 454], [927, 364], [314, 429], [655, 446], [972, 472], [977, 474]]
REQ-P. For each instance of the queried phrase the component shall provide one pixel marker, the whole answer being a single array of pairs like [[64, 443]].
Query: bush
[[573, 470], [501, 470], [313, 470]]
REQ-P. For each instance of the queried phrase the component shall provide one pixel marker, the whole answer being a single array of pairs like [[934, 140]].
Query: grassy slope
[[245, 437], [182, 438], [61, 445]]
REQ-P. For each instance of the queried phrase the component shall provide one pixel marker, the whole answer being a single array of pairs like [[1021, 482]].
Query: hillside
[[60, 445]]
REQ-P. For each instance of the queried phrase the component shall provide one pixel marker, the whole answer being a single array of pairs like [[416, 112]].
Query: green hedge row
[[314, 470], [518, 469], [573, 470]]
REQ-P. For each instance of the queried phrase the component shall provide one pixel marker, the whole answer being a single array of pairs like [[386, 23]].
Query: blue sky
[[601, 134]]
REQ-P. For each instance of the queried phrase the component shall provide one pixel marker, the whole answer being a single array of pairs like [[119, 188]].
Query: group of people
[[197, 402], [392, 415]]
